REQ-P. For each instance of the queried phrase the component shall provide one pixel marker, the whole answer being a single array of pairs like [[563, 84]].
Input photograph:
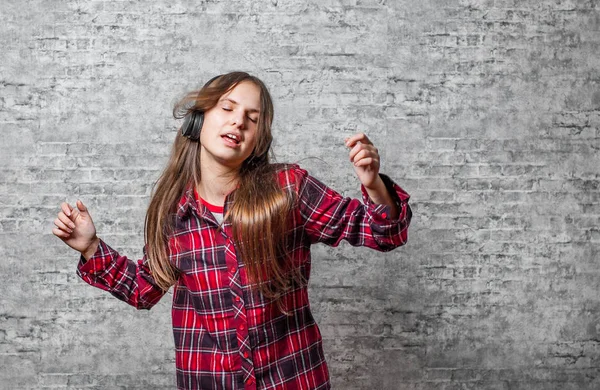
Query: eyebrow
[[234, 102]]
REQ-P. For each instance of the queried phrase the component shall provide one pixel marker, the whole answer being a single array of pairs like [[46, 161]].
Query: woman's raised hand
[[75, 227], [365, 158]]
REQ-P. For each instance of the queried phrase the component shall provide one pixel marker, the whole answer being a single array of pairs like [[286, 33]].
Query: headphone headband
[[211, 80]]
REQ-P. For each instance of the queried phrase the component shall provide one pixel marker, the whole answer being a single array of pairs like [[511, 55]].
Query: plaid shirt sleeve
[[330, 218], [127, 280]]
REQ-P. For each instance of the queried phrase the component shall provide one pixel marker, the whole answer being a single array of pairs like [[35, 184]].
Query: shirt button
[[237, 299], [250, 381], [91, 271], [232, 269], [384, 215], [246, 354], [242, 327]]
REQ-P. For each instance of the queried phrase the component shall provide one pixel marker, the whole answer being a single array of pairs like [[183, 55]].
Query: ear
[[192, 125]]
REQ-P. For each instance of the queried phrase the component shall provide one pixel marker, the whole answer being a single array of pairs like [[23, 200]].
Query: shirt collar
[[187, 202]]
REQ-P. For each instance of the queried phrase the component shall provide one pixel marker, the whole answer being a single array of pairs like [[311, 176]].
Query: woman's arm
[[365, 157], [329, 217], [100, 265], [125, 279]]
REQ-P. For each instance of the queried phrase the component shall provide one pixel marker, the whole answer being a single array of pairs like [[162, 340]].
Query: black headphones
[[192, 124]]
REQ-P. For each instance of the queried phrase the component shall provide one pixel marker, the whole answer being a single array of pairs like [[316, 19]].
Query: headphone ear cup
[[192, 125]]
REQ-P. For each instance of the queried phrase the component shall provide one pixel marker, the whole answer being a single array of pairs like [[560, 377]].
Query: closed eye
[[229, 109]]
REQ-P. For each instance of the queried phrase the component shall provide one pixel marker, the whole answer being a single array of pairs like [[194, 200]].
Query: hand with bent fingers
[[75, 227], [365, 157]]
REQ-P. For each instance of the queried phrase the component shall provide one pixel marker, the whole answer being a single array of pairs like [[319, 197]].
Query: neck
[[216, 181]]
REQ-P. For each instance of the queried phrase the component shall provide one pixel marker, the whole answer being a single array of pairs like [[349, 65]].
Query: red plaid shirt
[[227, 335]]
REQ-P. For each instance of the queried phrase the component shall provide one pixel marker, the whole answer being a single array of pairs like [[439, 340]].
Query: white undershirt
[[218, 217]]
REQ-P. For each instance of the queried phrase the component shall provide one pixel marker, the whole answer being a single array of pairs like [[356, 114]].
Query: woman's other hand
[[365, 158], [75, 227]]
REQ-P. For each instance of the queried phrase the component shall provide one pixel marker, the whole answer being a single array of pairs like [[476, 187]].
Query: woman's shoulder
[[289, 174], [284, 167], [288, 168]]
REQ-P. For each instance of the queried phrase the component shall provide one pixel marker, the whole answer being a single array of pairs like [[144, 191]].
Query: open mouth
[[231, 138]]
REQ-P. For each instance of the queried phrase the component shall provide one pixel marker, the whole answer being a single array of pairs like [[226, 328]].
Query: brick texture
[[486, 111]]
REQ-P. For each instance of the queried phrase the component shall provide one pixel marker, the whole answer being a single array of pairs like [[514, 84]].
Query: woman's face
[[228, 134]]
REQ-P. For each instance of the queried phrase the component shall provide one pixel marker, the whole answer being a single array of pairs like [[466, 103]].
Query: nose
[[238, 119]]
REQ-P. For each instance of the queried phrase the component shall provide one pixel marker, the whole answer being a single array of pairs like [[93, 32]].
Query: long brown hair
[[261, 208]]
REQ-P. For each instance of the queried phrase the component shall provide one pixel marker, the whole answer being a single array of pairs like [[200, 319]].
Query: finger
[[360, 155], [354, 151], [62, 226], [364, 162], [361, 147], [66, 220], [81, 206], [66, 208], [60, 234], [360, 137]]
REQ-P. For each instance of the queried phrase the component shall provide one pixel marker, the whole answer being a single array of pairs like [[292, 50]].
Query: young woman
[[231, 233]]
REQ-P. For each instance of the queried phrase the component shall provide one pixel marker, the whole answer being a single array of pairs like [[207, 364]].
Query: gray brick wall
[[486, 111]]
